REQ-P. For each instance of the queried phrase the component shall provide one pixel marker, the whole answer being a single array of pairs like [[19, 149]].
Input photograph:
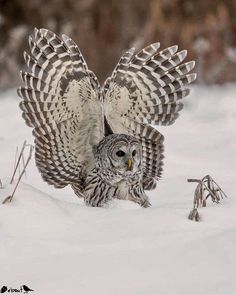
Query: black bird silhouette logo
[[26, 289], [3, 289]]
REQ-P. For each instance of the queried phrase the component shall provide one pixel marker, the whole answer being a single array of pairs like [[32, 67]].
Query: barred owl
[[98, 139]]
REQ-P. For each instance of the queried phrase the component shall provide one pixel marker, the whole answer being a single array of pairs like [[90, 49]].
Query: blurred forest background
[[103, 29]]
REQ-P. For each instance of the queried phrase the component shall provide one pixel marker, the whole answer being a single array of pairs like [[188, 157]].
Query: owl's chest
[[123, 189]]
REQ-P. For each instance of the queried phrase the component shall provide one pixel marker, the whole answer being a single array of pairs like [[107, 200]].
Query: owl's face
[[125, 157], [119, 153]]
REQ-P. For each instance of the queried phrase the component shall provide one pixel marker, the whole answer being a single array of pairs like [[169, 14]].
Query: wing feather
[[144, 89], [60, 101]]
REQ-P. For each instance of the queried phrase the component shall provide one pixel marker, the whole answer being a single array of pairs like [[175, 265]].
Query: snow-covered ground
[[51, 242]]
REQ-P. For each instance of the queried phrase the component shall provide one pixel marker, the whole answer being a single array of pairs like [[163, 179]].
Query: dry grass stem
[[25, 164], [207, 187], [17, 163]]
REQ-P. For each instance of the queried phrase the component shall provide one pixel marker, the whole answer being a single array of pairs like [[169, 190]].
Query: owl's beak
[[129, 164]]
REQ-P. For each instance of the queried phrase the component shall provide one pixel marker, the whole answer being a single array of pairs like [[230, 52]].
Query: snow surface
[[51, 242]]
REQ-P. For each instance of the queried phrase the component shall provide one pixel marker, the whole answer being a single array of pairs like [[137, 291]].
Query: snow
[[51, 242]]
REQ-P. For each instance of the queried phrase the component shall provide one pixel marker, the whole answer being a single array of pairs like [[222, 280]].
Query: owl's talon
[[146, 204]]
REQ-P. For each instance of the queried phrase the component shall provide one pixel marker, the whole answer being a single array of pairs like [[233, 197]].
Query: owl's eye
[[133, 153], [120, 153]]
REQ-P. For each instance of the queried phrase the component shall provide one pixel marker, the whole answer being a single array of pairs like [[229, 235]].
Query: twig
[[1, 186], [23, 160], [193, 180], [206, 184], [194, 215], [18, 161], [220, 189], [9, 198], [16, 157]]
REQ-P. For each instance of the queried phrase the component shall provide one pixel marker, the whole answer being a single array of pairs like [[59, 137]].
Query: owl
[[99, 139]]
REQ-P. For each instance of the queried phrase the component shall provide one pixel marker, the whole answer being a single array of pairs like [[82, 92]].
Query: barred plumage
[[70, 113]]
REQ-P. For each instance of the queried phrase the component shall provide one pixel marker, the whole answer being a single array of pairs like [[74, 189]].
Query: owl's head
[[120, 154]]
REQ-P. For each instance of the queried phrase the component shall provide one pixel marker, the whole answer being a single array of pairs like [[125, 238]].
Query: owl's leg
[[97, 193], [98, 197], [137, 195]]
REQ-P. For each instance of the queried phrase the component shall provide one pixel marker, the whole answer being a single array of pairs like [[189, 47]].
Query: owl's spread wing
[[144, 89], [61, 102]]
